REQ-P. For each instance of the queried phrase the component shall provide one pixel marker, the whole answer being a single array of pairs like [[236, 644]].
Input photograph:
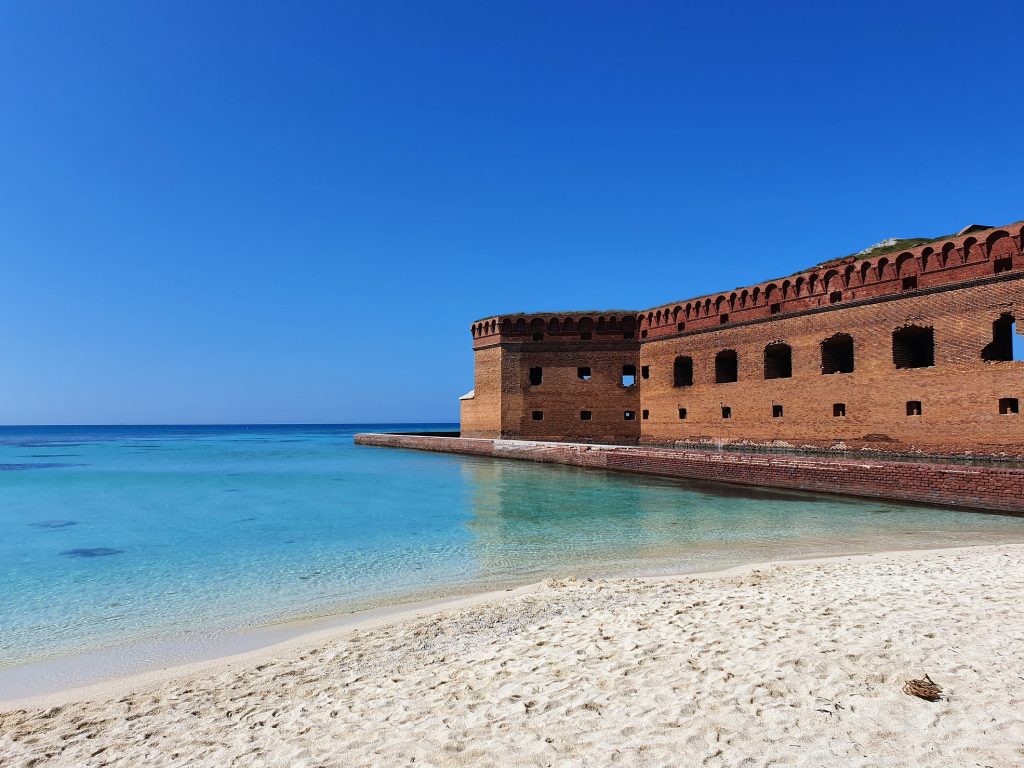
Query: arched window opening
[[778, 361], [913, 347], [726, 367], [682, 372], [837, 354], [1007, 344]]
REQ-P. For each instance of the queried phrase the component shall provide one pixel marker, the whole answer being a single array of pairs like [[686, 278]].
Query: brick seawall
[[980, 488]]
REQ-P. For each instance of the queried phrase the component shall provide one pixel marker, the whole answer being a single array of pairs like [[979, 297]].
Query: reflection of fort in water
[[527, 512]]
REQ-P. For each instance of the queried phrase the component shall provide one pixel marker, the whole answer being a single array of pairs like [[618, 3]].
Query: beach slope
[[779, 664]]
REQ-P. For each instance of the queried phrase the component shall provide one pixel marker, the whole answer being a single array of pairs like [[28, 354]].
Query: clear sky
[[291, 212]]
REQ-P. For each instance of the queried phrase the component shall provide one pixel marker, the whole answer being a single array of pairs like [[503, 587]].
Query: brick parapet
[[978, 488]]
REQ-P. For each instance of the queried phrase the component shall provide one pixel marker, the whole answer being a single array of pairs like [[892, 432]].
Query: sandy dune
[[784, 664]]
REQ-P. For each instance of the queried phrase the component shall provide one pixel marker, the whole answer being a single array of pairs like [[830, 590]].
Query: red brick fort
[[893, 350]]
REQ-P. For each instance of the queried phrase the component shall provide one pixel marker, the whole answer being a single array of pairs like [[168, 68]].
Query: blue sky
[[291, 212]]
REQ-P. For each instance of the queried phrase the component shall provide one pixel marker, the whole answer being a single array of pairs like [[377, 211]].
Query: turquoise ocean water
[[111, 536]]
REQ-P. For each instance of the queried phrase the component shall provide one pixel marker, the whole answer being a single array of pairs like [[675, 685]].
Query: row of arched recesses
[[913, 346], [539, 327], [999, 247]]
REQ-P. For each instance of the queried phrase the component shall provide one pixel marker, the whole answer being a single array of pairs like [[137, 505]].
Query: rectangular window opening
[[1002, 265], [838, 409], [726, 367], [910, 283], [646, 414], [1009, 405], [837, 354], [778, 361], [723, 319], [682, 413], [680, 326], [682, 372], [835, 297], [538, 337], [913, 407], [585, 415], [536, 376], [776, 411], [645, 372], [628, 375], [776, 309], [538, 415], [629, 415], [726, 412], [913, 347], [643, 334], [583, 372]]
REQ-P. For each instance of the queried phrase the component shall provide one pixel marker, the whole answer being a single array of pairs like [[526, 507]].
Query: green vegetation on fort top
[[894, 245], [901, 244]]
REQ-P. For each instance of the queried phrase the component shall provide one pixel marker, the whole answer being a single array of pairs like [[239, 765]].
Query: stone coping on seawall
[[977, 488]]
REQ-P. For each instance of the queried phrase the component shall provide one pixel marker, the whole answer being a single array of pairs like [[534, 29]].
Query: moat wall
[[981, 488]]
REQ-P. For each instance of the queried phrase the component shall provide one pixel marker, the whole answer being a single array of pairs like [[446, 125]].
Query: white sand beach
[[770, 665]]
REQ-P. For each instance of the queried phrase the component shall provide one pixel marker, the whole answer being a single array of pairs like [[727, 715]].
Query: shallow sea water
[[119, 535]]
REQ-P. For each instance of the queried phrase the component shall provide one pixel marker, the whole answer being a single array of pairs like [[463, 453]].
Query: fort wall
[[905, 352]]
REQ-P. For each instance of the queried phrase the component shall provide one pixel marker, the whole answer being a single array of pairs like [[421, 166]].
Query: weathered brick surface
[[481, 414], [562, 396], [957, 288], [983, 488], [959, 395]]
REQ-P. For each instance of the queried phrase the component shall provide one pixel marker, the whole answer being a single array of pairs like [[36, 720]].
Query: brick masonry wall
[[990, 489], [959, 394], [562, 395], [481, 415]]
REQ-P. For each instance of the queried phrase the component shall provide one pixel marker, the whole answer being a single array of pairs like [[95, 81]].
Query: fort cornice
[[939, 262], [1016, 274]]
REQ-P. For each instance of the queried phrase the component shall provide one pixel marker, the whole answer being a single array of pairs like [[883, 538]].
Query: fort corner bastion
[[892, 354]]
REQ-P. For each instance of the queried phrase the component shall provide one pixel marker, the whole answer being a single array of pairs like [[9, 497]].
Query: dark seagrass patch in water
[[35, 465], [92, 552]]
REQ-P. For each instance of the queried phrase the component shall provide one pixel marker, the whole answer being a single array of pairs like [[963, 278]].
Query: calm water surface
[[116, 535]]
